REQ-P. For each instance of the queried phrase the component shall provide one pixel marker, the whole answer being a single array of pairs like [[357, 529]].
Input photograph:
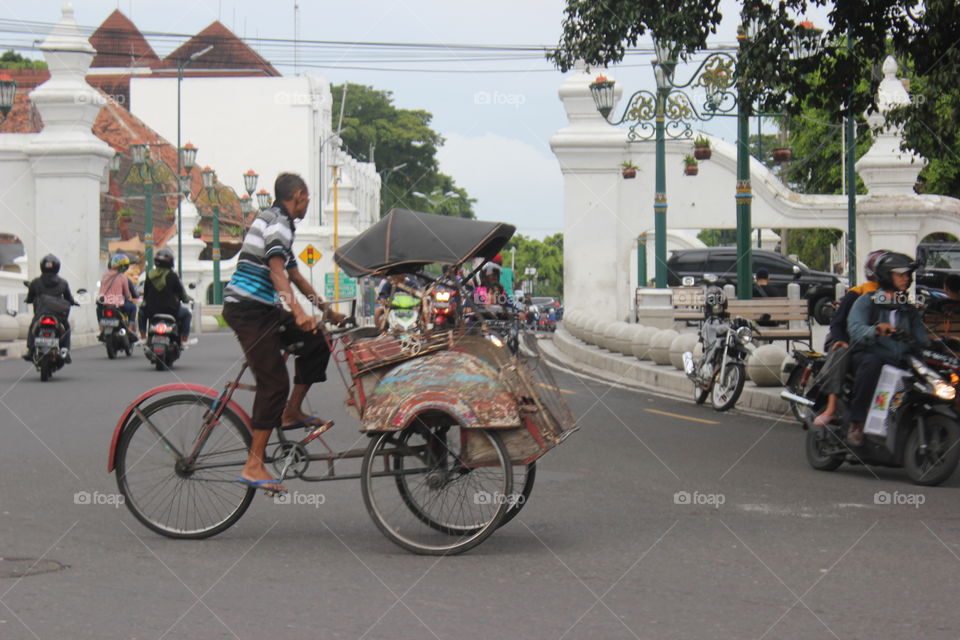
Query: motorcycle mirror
[[81, 291], [192, 285], [797, 272]]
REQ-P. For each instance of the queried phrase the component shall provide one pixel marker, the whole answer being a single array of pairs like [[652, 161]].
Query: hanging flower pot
[[782, 154], [629, 170], [691, 167], [701, 149]]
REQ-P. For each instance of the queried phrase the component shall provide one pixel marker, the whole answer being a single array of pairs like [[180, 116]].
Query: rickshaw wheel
[[423, 497], [519, 499]]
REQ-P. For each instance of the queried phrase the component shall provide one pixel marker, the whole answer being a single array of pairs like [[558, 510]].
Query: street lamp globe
[[666, 62], [115, 162], [250, 182], [263, 198], [188, 156], [209, 176], [138, 151], [8, 90], [246, 203], [186, 183], [602, 91]]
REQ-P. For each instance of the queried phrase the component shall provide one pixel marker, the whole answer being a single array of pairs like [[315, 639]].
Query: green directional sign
[[348, 286]]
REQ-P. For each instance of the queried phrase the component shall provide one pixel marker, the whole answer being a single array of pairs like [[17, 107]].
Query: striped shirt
[[271, 234]]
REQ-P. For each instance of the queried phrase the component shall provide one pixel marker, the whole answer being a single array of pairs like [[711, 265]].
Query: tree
[[403, 147], [546, 256], [13, 60]]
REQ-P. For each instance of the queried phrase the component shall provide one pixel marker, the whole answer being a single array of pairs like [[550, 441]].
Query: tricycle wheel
[[523, 476], [426, 496]]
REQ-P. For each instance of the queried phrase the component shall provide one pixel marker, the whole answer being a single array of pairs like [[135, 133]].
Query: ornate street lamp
[[246, 204], [186, 184], [8, 91], [250, 182], [115, 162], [149, 174], [263, 199], [209, 183]]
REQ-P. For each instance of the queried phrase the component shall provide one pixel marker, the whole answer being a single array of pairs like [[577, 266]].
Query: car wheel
[[823, 311]]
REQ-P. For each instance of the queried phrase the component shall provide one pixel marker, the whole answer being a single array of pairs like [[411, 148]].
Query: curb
[[578, 356]]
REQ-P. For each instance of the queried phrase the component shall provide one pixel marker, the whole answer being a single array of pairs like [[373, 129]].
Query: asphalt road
[[659, 519]]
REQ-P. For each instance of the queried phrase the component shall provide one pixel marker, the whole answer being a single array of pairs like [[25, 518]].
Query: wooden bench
[[789, 311], [687, 304]]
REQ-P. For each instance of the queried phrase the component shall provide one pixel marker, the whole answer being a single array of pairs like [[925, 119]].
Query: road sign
[[348, 286], [530, 271], [310, 256]]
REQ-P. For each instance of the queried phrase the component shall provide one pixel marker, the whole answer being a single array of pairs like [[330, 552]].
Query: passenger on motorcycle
[[116, 290], [837, 342], [162, 293], [50, 294], [871, 324]]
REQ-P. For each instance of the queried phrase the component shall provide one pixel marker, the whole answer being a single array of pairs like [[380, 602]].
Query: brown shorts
[[264, 331]]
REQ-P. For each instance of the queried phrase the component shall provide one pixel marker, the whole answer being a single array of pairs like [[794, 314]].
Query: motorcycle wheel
[[700, 394], [939, 461], [46, 368], [727, 391], [815, 455], [801, 413], [111, 348]]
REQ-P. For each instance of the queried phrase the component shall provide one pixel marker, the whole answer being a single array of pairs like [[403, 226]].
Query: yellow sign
[[310, 255]]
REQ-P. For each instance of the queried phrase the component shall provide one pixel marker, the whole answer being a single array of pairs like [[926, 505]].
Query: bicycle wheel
[[524, 477], [423, 497], [163, 492]]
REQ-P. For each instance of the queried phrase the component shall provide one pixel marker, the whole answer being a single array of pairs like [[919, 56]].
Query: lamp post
[[438, 198], [8, 91], [209, 180], [263, 199], [181, 161]]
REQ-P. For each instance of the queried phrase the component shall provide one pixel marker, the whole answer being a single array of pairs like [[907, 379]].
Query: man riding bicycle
[[253, 308]]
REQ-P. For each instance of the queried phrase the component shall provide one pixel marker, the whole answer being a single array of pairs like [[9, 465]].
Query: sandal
[[276, 490]]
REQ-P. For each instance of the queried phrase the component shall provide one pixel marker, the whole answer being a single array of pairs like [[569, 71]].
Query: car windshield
[[944, 259]]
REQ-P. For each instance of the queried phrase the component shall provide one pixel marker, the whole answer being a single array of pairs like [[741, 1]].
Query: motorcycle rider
[[715, 320], [872, 321], [837, 342], [117, 290], [162, 293], [50, 294]]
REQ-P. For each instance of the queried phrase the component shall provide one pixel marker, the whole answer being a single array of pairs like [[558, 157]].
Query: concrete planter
[[764, 365], [9, 328], [683, 342], [660, 345]]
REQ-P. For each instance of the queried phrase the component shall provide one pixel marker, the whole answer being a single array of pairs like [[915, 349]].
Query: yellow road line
[[682, 417], [547, 386]]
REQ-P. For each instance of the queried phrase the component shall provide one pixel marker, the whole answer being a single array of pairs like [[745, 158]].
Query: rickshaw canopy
[[405, 241]]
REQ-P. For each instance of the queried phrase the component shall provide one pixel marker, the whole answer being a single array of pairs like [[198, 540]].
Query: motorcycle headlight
[[497, 342], [944, 391], [745, 335], [443, 296]]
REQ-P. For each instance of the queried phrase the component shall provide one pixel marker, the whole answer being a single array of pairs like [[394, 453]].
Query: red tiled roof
[[120, 44], [23, 118], [229, 52]]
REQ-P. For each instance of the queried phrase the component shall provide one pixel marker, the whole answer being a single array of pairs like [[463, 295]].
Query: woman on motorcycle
[[50, 294], [871, 325], [837, 343], [162, 293], [116, 290]]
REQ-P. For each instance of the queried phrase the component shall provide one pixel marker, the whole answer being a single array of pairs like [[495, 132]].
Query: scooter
[[113, 331], [913, 422], [163, 341]]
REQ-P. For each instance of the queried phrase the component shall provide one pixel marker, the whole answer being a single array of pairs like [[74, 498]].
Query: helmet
[[164, 258], [870, 264], [891, 263], [120, 262], [50, 264], [714, 302]]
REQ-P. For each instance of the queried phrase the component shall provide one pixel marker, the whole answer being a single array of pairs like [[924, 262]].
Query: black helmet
[[893, 263], [714, 302], [50, 264], [164, 258]]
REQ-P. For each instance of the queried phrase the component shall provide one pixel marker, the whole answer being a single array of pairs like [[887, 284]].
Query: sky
[[497, 126]]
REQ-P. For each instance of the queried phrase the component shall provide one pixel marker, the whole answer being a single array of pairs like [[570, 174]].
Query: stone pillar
[[597, 240], [69, 166]]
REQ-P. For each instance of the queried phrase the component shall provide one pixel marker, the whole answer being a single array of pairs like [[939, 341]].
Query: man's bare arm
[[281, 282]]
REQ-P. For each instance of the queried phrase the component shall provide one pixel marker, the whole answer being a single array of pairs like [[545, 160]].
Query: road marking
[[548, 386], [682, 417]]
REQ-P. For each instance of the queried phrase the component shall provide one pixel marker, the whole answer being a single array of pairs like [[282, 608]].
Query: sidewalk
[[574, 354]]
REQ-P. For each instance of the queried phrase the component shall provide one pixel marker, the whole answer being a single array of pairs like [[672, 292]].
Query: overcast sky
[[497, 125]]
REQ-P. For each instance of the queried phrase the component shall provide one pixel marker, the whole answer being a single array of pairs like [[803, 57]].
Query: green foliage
[[12, 60], [812, 246], [718, 237], [940, 237], [545, 256], [375, 129]]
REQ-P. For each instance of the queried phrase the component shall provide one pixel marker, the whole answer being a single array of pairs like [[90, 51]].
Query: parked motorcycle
[[802, 381], [913, 423], [720, 371], [113, 331], [163, 341]]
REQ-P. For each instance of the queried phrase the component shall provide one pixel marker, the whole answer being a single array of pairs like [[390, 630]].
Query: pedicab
[[455, 418]]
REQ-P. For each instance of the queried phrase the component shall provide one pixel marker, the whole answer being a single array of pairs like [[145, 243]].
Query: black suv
[[937, 260], [687, 267]]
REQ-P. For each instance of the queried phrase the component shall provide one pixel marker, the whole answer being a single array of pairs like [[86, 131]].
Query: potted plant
[[701, 148], [782, 154], [691, 167], [170, 215], [629, 170], [197, 231], [124, 215]]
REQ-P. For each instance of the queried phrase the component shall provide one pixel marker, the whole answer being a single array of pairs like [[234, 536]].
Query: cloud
[[512, 181]]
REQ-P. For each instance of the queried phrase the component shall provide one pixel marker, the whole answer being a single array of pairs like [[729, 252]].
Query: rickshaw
[[455, 419]]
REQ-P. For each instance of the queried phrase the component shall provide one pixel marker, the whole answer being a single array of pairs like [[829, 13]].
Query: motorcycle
[[47, 331], [913, 422], [720, 371], [404, 314], [802, 381], [444, 306], [163, 341], [113, 331]]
